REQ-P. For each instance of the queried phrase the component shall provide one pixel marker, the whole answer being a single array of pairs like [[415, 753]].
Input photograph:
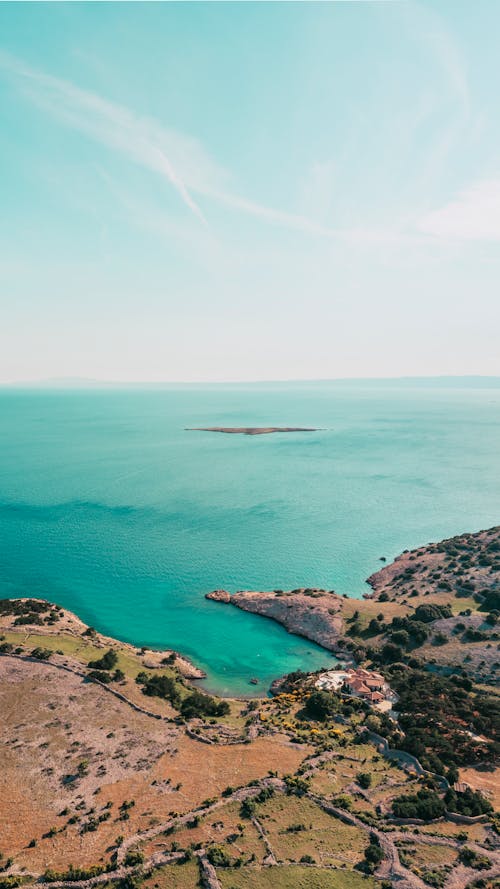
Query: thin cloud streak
[[146, 143], [112, 125]]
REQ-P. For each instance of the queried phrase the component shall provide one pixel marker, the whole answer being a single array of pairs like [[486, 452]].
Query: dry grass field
[[69, 746]]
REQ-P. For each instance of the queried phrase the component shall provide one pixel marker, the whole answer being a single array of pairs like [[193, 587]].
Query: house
[[375, 684], [359, 683], [357, 686]]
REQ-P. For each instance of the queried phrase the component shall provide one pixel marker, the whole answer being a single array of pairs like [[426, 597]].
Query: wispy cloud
[[428, 28], [179, 159], [473, 215], [108, 123]]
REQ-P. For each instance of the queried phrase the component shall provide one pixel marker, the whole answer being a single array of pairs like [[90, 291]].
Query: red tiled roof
[[358, 685]]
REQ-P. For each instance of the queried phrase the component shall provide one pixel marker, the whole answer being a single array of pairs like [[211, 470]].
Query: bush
[[343, 801], [73, 874], [433, 710], [106, 662], [472, 859], [401, 637], [133, 858], [248, 808], [373, 856], [321, 705], [99, 676], [428, 613], [469, 802], [199, 704], [391, 653], [42, 654], [364, 780], [425, 805], [159, 687], [218, 856]]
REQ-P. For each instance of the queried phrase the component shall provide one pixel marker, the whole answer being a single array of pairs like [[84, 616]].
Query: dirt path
[[391, 867]]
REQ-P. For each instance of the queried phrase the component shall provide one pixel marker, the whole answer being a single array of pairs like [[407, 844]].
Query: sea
[[110, 507]]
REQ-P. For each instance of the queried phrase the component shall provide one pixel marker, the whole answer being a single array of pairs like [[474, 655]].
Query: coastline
[[107, 750], [72, 625], [321, 623], [346, 626], [321, 616]]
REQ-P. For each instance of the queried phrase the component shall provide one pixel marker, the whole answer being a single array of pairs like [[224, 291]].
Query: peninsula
[[250, 430], [449, 587]]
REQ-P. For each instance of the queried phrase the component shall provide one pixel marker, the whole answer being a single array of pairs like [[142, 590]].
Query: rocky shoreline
[[447, 575], [314, 614]]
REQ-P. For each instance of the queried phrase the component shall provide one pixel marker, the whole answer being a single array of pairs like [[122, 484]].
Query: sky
[[249, 191]]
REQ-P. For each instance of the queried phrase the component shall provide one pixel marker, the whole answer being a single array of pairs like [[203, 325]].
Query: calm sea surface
[[109, 507]]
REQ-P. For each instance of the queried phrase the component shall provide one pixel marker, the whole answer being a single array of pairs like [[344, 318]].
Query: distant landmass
[[250, 430], [477, 381]]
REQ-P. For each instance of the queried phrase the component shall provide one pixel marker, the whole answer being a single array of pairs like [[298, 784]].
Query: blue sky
[[226, 191]]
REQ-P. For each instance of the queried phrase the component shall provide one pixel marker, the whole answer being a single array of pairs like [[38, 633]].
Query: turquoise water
[[110, 508]]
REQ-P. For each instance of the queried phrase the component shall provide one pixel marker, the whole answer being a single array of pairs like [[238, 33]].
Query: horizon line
[[94, 382]]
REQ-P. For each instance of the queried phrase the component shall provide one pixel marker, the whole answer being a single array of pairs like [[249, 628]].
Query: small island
[[250, 430]]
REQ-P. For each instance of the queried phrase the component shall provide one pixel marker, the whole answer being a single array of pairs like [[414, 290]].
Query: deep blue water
[[111, 508]]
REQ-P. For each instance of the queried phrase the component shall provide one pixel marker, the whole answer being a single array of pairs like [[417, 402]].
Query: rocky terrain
[[462, 573], [315, 614], [115, 770]]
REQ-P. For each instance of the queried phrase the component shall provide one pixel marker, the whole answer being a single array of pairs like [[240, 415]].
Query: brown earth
[[53, 722]]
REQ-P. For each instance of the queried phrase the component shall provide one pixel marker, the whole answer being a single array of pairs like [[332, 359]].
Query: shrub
[[401, 637], [99, 676], [428, 613], [159, 687], [133, 858], [472, 859], [42, 654], [425, 805], [73, 874], [321, 705], [364, 780], [199, 704], [248, 808], [391, 653], [469, 802], [218, 856], [106, 662]]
